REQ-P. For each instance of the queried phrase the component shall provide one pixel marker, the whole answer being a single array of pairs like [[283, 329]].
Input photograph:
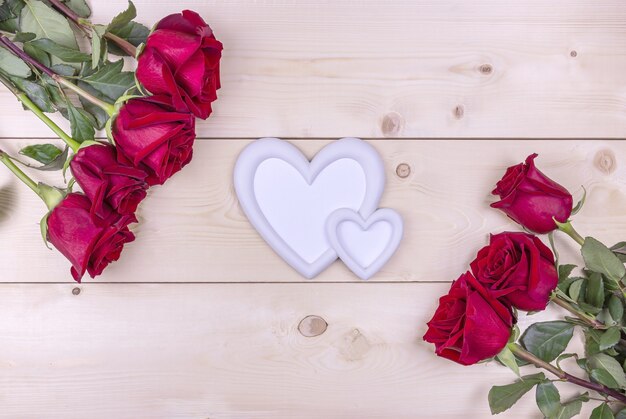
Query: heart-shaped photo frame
[[364, 244], [288, 199]]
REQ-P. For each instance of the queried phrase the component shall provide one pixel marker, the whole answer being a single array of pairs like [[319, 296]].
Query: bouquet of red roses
[[516, 271], [148, 114]]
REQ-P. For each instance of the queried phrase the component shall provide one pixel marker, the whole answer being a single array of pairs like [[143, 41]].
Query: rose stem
[[110, 109], [582, 316], [6, 160], [568, 229], [22, 97], [539, 363], [84, 24]]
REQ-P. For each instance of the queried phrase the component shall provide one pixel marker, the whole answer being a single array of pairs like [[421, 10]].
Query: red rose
[[181, 59], [469, 325], [518, 269], [105, 180], [89, 243], [152, 136], [531, 198]]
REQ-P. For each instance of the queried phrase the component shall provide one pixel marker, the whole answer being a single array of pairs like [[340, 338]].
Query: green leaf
[[13, 65], [547, 340], [10, 9], [565, 271], [616, 308], [56, 164], [600, 258], [569, 410], [123, 18], [43, 153], [36, 17], [621, 414], [602, 412], [110, 80], [69, 55], [35, 92], [595, 290], [62, 69], [502, 398], [37, 54], [603, 377], [97, 44], [610, 338], [575, 288], [605, 362], [619, 250], [548, 398], [100, 116], [508, 359], [134, 32], [23, 37], [81, 123], [79, 6]]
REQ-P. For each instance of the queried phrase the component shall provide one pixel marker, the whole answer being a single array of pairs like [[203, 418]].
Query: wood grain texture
[[234, 351], [192, 229], [404, 68]]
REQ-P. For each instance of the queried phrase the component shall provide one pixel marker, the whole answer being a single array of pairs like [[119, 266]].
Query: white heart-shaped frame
[[358, 252], [351, 175]]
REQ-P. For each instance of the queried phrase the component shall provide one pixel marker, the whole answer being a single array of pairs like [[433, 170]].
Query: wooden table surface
[[200, 319]]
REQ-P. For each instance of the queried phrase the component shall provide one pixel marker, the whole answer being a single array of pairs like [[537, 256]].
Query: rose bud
[[470, 325], [150, 135], [104, 180], [89, 243], [531, 198], [518, 269], [181, 59]]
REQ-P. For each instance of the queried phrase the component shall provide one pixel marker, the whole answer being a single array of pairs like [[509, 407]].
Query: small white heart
[[364, 244], [288, 199]]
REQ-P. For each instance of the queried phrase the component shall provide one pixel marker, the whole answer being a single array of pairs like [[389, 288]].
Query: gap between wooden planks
[[192, 229], [403, 68], [235, 351]]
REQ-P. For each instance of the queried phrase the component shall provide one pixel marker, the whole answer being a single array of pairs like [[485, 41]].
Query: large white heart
[[288, 199], [364, 244]]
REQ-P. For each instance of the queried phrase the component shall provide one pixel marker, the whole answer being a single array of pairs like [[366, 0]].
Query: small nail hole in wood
[[76, 291]]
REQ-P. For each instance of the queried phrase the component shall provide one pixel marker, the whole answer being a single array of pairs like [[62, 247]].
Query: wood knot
[[76, 291], [312, 326], [458, 111], [605, 161], [486, 69], [403, 170], [392, 124], [573, 54]]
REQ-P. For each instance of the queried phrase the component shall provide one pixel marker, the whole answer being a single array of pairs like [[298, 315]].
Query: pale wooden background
[[200, 319]]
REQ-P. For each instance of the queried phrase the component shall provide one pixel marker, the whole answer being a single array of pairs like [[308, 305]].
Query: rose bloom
[[89, 243], [470, 325], [531, 198], [152, 136], [107, 181], [181, 59], [518, 269]]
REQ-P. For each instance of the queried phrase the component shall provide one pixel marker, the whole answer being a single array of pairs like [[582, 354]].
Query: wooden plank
[[192, 229], [403, 68], [234, 351]]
